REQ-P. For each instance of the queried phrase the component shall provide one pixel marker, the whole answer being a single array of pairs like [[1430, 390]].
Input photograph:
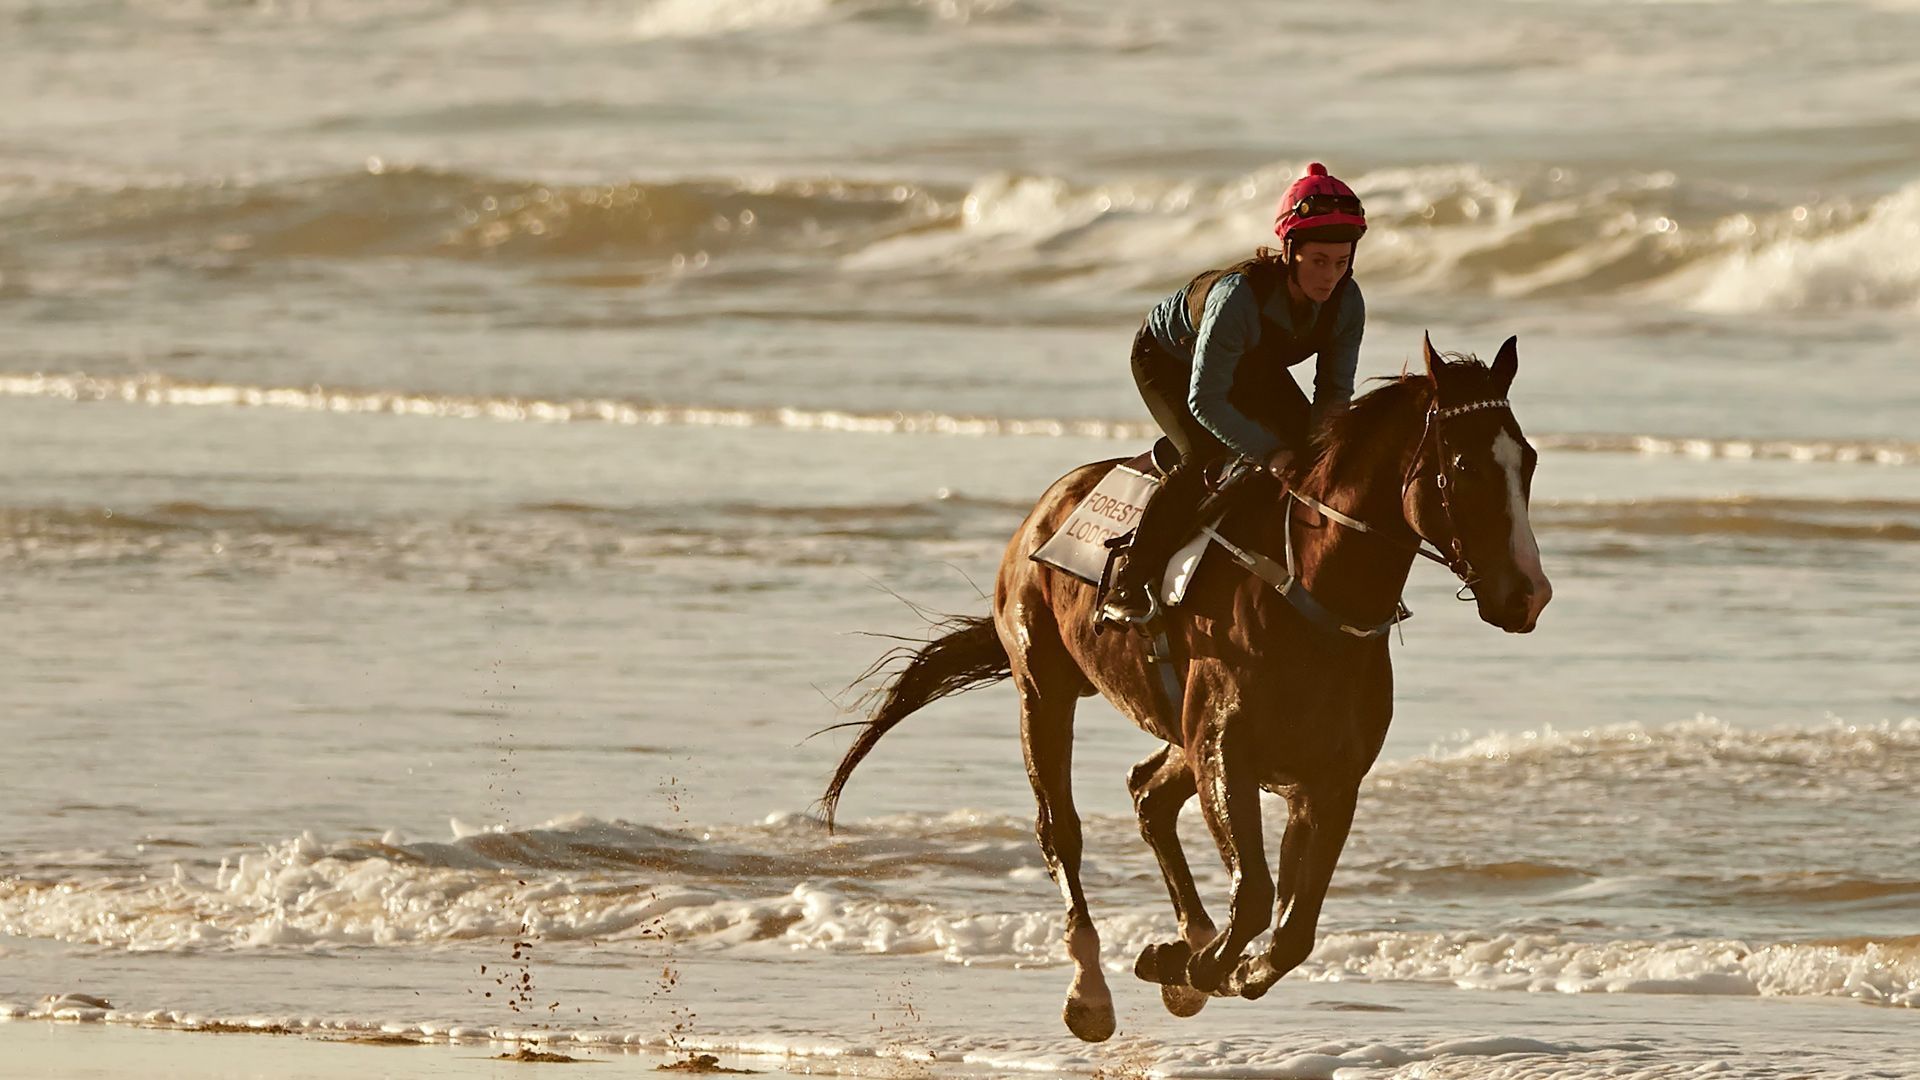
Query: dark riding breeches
[[1168, 519], [1164, 381]]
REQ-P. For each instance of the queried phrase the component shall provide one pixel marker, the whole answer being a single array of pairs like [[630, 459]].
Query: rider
[[1211, 361]]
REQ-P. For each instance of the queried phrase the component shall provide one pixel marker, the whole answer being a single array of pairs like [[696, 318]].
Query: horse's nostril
[[1520, 606]]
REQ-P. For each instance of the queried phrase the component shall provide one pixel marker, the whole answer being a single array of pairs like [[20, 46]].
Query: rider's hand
[[1280, 462]]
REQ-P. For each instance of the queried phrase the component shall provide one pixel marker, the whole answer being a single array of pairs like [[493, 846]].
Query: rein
[[1286, 578], [1419, 546]]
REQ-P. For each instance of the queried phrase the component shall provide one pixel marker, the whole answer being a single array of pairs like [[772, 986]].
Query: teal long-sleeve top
[[1230, 325]]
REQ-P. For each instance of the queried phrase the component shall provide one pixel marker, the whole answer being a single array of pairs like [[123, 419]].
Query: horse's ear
[[1506, 365], [1431, 358]]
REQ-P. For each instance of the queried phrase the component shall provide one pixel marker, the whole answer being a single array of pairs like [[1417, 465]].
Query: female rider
[[1211, 361]]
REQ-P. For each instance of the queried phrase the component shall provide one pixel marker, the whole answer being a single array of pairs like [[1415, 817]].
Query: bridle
[[1455, 557]]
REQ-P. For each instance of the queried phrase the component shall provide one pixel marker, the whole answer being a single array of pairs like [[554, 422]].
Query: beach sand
[[792, 1019], [49, 1050]]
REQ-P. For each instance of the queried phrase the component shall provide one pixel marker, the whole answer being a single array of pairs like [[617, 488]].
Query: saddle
[[1101, 525]]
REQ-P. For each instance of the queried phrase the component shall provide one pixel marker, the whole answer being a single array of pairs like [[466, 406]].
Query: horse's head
[[1468, 486]]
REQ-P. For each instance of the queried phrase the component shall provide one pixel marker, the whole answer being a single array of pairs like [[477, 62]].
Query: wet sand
[[955, 1021], [64, 1051]]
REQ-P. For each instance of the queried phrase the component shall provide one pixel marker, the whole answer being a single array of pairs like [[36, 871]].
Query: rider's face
[[1320, 267]]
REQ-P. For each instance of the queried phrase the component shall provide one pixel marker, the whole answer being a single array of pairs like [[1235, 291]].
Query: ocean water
[[452, 456]]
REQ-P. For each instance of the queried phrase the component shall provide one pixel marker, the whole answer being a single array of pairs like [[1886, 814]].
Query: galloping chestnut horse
[[1273, 699]]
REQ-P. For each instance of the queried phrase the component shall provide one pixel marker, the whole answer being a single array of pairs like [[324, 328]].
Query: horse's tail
[[965, 653]]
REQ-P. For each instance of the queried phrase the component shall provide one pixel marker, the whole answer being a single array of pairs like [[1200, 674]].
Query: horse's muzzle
[[1516, 609]]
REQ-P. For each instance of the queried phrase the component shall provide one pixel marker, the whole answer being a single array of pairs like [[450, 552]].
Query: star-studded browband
[[1461, 410]]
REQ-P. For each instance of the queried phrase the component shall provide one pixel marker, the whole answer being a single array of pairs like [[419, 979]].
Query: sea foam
[[303, 894], [161, 390]]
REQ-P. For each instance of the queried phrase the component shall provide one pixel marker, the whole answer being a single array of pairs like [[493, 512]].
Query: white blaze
[[1526, 552]]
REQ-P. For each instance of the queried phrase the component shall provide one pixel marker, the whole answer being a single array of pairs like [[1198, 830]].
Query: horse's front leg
[[1230, 802], [1324, 818]]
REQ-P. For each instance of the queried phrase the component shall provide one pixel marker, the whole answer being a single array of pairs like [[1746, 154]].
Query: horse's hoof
[[1205, 972], [1089, 1021], [1164, 963], [1182, 1000], [1253, 978]]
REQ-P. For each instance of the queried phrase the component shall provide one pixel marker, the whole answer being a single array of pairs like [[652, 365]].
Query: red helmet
[[1318, 207]]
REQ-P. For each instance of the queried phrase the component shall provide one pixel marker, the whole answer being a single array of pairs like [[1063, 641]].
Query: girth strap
[[1173, 691]]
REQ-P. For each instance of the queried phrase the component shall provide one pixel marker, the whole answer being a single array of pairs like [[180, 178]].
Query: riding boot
[[1164, 524]]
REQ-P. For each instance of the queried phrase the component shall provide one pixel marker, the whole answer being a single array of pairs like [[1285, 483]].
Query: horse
[[1275, 696]]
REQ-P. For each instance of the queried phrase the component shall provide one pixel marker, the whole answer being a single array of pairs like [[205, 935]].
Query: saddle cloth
[[1111, 509]]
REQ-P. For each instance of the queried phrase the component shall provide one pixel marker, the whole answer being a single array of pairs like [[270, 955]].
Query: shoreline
[[975, 1022], [56, 1049]]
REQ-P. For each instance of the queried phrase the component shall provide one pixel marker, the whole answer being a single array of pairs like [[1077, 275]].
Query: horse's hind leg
[[1161, 785], [1046, 735]]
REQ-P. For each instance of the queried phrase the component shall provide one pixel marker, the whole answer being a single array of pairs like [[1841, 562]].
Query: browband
[[1459, 410]]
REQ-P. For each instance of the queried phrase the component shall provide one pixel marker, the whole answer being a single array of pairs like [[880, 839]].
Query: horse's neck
[[1358, 574]]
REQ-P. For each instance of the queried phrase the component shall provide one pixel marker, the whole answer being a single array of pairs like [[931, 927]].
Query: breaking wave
[[1454, 230], [1886, 752], [968, 888], [708, 18], [385, 211], [153, 389], [1878, 972], [1846, 451], [581, 881]]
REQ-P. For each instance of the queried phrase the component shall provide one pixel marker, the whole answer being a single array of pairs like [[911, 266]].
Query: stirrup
[[1112, 614]]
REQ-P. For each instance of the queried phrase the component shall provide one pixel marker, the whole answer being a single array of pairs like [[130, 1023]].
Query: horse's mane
[[1378, 408]]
